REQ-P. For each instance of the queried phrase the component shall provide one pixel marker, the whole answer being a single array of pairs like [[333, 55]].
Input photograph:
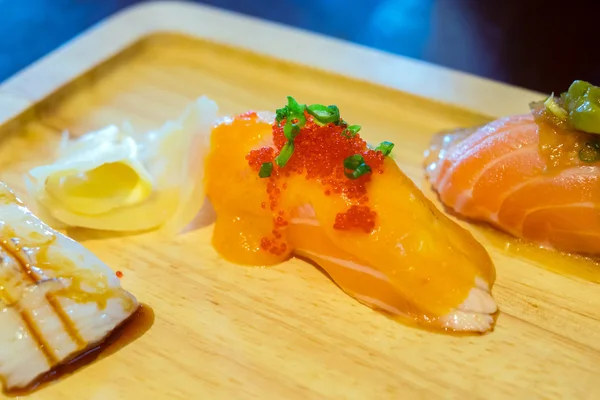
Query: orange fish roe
[[248, 115], [119, 274], [359, 217], [257, 157], [319, 153]]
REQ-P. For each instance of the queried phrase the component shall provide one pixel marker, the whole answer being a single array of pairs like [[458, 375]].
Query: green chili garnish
[[355, 166], [265, 170], [582, 103], [351, 131], [385, 148], [555, 108], [285, 154]]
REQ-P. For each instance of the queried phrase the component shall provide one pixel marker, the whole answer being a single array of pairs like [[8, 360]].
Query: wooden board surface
[[226, 332]]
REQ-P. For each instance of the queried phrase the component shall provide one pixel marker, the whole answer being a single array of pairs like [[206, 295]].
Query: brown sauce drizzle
[[28, 321], [130, 330], [66, 321]]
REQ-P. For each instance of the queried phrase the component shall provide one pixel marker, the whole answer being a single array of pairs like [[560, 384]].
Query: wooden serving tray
[[223, 331]]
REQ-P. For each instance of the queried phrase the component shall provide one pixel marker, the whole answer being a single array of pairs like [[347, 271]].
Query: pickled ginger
[[115, 179]]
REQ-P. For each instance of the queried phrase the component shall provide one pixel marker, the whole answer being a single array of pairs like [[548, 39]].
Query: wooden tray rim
[[111, 36]]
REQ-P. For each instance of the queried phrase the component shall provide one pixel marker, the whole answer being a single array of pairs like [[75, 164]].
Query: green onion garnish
[[336, 111], [355, 166], [291, 130], [281, 114], [590, 152], [555, 108], [295, 119], [265, 170], [296, 111], [293, 110], [324, 114], [285, 154], [351, 131], [385, 148]]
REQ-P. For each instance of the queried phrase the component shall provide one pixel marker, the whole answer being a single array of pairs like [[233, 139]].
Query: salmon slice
[[375, 289], [416, 265], [57, 299], [498, 174]]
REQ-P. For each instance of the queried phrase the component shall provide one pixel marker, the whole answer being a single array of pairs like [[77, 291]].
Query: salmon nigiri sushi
[[535, 176], [302, 182]]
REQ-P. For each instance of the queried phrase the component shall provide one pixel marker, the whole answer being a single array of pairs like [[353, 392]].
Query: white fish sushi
[[57, 299]]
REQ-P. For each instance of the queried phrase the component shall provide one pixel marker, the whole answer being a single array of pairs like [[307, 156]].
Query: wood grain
[[223, 331]]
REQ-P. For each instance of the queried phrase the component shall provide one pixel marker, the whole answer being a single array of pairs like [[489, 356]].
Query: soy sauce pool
[[130, 330]]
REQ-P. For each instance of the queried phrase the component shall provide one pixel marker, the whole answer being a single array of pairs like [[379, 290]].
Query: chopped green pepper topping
[[265, 170], [355, 166], [385, 148], [582, 102]]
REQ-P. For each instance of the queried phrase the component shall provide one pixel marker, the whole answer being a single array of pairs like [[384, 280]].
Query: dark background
[[540, 45]]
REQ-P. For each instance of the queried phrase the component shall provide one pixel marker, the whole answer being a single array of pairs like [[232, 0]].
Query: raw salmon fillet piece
[[498, 174]]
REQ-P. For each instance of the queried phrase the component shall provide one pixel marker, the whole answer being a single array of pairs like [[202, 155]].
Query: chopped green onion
[[324, 114], [285, 154], [590, 152], [353, 161], [265, 170], [336, 111], [358, 172], [294, 106], [296, 111], [351, 131], [281, 114], [385, 148], [293, 113], [291, 130], [554, 108], [355, 166], [295, 119], [293, 110]]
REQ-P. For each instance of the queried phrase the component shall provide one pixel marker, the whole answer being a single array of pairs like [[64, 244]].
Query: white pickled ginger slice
[[116, 180], [99, 173]]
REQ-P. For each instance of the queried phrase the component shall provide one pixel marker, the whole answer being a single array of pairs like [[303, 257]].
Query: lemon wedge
[[117, 180]]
